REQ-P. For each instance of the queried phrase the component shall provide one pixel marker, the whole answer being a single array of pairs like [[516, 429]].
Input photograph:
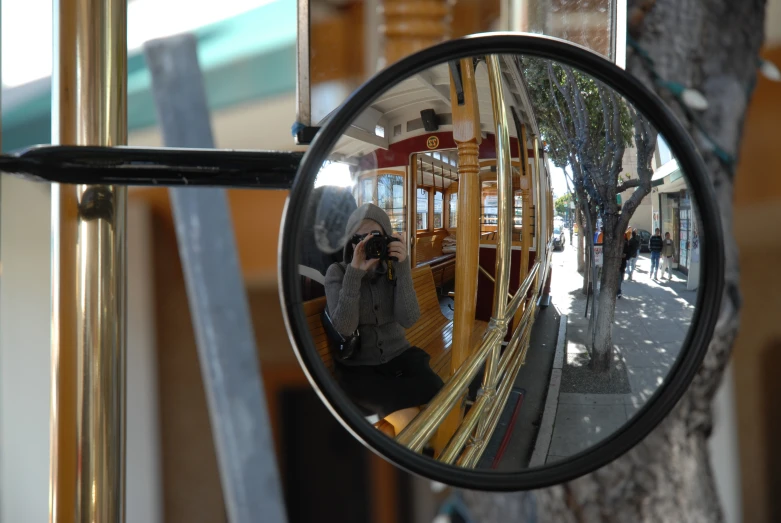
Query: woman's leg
[[401, 418]]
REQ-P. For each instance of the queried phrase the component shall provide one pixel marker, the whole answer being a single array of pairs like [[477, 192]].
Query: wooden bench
[[433, 332], [443, 269]]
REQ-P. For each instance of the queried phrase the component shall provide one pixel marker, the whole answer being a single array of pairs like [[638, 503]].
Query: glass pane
[[422, 209], [453, 210], [518, 207], [438, 210], [390, 197], [585, 22], [664, 151], [367, 195]]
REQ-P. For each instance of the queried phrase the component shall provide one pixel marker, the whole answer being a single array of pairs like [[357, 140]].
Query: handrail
[[488, 275], [458, 440], [499, 371], [423, 426], [504, 224], [471, 455]]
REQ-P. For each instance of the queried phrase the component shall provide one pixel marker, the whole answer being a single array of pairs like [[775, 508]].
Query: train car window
[[438, 197], [367, 191], [422, 209], [453, 211], [490, 210], [390, 197]]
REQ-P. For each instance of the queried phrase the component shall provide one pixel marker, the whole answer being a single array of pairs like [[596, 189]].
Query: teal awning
[[248, 57]]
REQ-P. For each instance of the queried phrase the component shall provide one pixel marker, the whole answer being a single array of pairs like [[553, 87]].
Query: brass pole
[[478, 410], [423, 426], [540, 243], [471, 455], [505, 214], [89, 107], [466, 134]]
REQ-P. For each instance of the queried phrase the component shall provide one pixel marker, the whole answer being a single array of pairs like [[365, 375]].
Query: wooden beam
[[466, 134], [361, 135], [412, 25], [425, 79]]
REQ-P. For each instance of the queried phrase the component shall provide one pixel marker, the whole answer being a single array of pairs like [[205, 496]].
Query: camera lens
[[375, 248]]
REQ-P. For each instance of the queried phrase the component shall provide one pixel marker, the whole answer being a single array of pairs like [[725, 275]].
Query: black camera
[[377, 246]]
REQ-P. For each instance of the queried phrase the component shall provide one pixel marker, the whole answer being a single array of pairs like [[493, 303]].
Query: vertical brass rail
[[505, 214], [538, 192], [89, 107]]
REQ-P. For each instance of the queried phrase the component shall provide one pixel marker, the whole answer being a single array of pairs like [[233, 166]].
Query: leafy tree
[[562, 204], [668, 476], [587, 127]]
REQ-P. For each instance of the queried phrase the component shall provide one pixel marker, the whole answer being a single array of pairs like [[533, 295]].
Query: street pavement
[[651, 322]]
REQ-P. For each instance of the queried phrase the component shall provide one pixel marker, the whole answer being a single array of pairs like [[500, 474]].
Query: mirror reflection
[[499, 262]]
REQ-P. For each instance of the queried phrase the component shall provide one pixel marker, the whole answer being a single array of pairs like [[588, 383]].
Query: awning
[[251, 56]]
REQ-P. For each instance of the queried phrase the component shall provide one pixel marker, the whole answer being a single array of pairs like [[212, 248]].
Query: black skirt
[[405, 381]]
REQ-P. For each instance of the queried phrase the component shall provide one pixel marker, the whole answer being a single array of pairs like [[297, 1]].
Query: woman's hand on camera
[[359, 257], [398, 249]]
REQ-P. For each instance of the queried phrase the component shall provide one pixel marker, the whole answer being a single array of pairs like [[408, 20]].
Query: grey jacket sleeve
[[343, 295], [405, 302]]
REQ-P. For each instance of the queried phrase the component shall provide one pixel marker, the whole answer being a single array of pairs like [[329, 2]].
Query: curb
[[545, 433]]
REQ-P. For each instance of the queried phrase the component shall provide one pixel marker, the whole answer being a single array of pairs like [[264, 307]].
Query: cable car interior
[[405, 153]]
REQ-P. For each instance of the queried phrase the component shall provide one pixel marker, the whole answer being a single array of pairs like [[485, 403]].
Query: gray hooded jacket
[[370, 302]]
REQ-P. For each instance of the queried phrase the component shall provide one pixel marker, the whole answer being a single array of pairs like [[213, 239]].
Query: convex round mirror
[[501, 262]]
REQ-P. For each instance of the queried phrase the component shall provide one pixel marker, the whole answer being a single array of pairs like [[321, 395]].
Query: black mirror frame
[[708, 297]]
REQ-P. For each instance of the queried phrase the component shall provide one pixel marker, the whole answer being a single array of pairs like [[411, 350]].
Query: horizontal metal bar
[[488, 275], [471, 456], [516, 337], [160, 166], [459, 439], [515, 302], [423, 426]]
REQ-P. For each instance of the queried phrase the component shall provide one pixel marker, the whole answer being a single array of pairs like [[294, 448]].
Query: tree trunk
[[711, 46], [581, 238], [601, 352]]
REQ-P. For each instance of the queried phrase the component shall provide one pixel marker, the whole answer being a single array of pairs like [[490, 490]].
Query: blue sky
[[558, 181]]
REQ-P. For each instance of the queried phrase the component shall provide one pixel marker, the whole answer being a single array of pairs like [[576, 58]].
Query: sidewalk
[[651, 322]]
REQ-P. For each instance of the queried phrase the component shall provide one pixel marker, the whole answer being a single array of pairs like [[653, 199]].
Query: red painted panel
[[485, 288], [398, 154]]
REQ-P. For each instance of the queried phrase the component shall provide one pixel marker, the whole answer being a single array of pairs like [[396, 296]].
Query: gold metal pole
[[461, 436], [423, 426], [488, 275], [472, 454], [89, 107], [505, 214], [539, 241]]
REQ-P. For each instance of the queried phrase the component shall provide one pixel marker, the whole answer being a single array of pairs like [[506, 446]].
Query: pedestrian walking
[[668, 252], [655, 244], [634, 249], [625, 252]]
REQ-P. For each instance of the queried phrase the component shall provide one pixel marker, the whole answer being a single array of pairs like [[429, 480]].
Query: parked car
[[558, 237], [645, 240]]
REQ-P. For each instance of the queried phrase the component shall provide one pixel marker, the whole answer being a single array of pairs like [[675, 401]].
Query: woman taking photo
[[386, 376]]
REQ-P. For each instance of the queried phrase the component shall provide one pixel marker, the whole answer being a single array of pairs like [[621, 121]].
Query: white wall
[[24, 350], [724, 449], [25, 360], [144, 467]]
